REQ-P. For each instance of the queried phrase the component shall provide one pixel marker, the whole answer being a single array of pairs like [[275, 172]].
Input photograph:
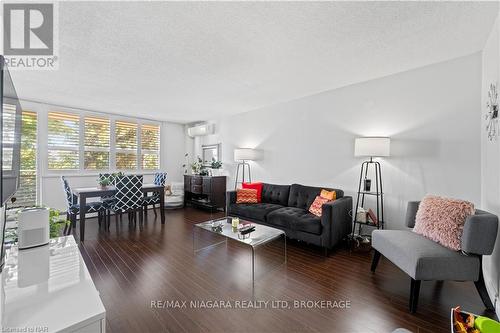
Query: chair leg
[[414, 292], [376, 258], [66, 226], [154, 211], [140, 215], [481, 289], [72, 223], [108, 218]]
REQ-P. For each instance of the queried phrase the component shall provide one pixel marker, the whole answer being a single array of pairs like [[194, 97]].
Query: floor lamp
[[371, 147], [242, 155]]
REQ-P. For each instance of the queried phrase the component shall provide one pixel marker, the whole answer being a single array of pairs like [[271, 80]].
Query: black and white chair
[[111, 179], [73, 208], [154, 199], [108, 199], [128, 197]]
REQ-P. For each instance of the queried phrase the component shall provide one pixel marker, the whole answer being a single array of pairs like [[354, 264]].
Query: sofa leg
[[414, 292], [481, 289], [375, 260], [326, 252]]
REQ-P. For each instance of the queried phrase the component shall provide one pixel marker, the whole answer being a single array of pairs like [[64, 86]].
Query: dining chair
[[108, 199], [154, 199], [73, 208], [128, 197]]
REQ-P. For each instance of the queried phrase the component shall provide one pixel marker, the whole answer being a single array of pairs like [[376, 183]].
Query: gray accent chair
[[424, 259]]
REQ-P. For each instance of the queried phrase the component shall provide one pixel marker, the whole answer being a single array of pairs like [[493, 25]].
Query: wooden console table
[[205, 191]]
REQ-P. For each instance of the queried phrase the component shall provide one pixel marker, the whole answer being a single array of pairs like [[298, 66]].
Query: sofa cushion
[[424, 259], [303, 196], [256, 186], [256, 211], [246, 195], [317, 206], [330, 195], [295, 219], [275, 194], [442, 219]]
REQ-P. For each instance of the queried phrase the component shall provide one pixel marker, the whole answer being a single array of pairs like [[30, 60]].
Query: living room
[[345, 155]]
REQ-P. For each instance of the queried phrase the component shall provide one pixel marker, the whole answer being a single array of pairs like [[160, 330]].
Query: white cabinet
[[49, 289]]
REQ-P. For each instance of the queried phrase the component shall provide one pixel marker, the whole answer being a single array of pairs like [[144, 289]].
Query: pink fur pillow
[[442, 220]]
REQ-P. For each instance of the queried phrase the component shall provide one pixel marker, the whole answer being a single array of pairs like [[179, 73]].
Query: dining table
[[83, 193]]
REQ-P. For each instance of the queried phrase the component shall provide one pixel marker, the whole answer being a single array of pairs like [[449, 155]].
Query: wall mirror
[[210, 153]]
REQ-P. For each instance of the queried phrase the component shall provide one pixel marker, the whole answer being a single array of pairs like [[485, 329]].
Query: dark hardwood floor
[[132, 267]]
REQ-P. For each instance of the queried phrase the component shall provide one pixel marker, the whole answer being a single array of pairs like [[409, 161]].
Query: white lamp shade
[[246, 154], [372, 146]]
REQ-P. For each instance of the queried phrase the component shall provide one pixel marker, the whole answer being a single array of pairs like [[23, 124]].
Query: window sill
[[79, 174]]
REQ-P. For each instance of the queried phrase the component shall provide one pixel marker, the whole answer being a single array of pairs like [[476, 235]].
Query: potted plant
[[117, 174], [104, 183], [216, 167], [56, 223], [197, 166]]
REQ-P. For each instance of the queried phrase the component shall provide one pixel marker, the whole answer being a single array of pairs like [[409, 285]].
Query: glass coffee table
[[222, 230]]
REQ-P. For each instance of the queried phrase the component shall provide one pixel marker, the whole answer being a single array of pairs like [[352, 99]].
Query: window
[[126, 145], [63, 141], [9, 124], [26, 194], [96, 142], [150, 146]]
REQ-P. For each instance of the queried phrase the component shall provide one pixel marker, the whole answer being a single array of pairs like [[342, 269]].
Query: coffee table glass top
[[262, 234]]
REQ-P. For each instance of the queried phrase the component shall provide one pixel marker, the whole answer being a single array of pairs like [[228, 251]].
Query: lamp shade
[[246, 154], [372, 146]]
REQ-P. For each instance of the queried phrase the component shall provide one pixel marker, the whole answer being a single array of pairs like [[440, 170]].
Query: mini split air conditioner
[[200, 130]]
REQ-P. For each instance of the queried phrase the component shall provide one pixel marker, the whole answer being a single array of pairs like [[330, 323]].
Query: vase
[[217, 172]]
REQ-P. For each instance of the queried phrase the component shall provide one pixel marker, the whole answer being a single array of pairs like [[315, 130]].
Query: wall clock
[[492, 113]]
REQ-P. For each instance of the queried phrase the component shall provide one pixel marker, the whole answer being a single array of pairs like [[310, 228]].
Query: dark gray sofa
[[286, 207]]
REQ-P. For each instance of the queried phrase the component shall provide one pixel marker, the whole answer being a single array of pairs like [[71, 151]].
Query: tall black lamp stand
[[363, 191]]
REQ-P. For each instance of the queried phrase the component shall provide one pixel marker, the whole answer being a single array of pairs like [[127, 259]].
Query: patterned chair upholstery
[[160, 179], [73, 208], [128, 194], [107, 198]]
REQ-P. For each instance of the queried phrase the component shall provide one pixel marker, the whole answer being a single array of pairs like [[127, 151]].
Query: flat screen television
[[10, 154]]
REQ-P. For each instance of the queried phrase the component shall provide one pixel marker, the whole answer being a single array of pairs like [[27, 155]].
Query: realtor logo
[[29, 35]]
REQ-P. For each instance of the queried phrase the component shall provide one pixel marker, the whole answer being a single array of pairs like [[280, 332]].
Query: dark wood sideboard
[[205, 191]]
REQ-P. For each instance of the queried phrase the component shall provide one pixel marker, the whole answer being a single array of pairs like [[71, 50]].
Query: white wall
[[431, 115], [50, 191], [490, 161]]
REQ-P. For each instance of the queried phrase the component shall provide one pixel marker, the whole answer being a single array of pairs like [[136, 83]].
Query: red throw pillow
[[256, 186], [246, 195], [317, 205]]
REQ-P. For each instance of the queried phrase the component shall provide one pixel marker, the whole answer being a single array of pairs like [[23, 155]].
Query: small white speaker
[[33, 228]]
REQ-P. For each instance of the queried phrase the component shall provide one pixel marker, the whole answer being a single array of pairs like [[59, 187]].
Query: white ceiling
[[189, 61]]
